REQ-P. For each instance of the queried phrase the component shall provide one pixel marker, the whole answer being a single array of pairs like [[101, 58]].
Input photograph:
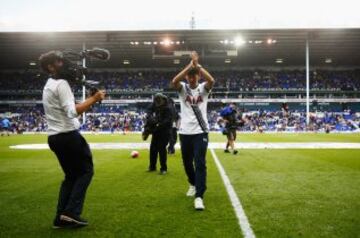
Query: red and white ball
[[134, 154]]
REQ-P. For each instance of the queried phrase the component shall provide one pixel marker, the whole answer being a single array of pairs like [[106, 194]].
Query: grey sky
[[67, 15]]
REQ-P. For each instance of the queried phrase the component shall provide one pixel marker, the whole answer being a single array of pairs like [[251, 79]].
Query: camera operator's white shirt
[[59, 107], [189, 125]]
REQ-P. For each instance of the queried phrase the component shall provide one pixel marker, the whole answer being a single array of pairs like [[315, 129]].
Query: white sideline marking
[[216, 145], [235, 201]]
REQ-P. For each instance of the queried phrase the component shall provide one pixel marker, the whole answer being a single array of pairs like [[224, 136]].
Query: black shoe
[[60, 224], [67, 217], [227, 151], [151, 170], [235, 152]]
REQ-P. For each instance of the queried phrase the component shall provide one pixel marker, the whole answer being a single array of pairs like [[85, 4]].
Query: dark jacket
[[161, 118], [232, 120]]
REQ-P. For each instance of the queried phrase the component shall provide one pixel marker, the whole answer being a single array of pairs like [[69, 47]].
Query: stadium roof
[[236, 48]]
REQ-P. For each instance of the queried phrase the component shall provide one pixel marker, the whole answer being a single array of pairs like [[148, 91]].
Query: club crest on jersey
[[192, 100]]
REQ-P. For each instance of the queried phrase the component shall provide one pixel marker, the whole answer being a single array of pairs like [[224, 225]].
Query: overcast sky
[[75, 15]]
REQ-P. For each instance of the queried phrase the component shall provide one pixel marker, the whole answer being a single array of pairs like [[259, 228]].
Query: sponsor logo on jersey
[[192, 100]]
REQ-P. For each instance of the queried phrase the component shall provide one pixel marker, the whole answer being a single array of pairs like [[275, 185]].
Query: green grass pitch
[[285, 193]]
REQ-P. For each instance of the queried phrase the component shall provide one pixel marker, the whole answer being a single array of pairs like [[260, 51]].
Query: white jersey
[[59, 107], [189, 124]]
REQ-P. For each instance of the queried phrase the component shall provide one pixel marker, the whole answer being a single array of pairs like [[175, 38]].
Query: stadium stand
[[33, 120], [26, 114], [255, 80]]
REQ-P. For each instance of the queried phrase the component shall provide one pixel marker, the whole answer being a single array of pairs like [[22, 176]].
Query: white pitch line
[[235, 201]]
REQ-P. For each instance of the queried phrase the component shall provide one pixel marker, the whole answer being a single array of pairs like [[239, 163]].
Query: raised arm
[[194, 63], [86, 105], [208, 78], [68, 102], [175, 82]]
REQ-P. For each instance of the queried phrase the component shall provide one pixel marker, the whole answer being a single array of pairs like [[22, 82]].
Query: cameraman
[[229, 115], [64, 139], [158, 123]]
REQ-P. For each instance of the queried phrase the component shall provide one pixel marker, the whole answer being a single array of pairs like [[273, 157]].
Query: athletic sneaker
[[73, 218], [235, 152], [59, 224], [199, 204], [191, 192], [163, 172], [227, 151]]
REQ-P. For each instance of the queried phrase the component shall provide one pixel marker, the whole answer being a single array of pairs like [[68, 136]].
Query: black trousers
[[172, 140], [75, 158], [193, 150], [231, 135], [159, 141]]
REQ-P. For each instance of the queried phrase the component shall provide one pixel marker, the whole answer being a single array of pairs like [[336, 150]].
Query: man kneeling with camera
[[64, 139], [158, 123]]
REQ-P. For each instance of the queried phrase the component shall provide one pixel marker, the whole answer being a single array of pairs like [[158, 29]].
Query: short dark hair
[[160, 99], [49, 58], [193, 71]]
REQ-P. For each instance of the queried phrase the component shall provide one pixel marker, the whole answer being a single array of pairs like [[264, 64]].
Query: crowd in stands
[[115, 118], [229, 80], [26, 121], [294, 121], [114, 122], [255, 121]]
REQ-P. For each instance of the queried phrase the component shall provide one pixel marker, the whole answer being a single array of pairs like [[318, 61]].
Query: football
[[134, 154]]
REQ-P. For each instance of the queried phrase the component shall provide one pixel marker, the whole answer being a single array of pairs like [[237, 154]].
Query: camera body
[[150, 126], [72, 71], [76, 73]]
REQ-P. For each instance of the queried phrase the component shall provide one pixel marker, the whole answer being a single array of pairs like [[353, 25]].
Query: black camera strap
[[196, 111]]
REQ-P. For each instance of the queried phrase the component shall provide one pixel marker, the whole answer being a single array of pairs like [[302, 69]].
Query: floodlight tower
[[192, 21]]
